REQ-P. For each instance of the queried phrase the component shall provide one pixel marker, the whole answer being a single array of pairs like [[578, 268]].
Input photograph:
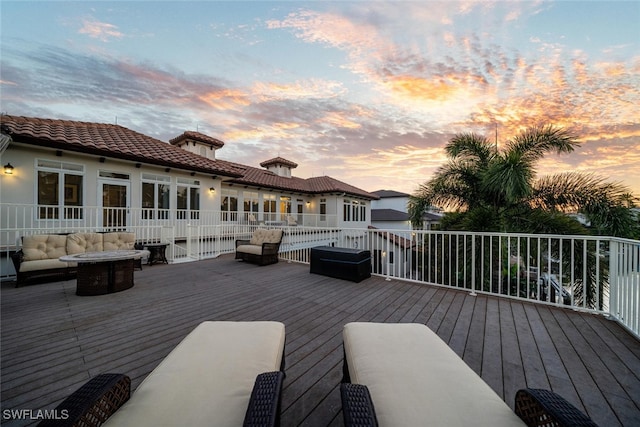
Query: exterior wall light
[[8, 169], [212, 190]]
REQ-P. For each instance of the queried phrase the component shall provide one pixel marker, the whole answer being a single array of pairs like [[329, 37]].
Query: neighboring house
[[390, 212], [102, 176]]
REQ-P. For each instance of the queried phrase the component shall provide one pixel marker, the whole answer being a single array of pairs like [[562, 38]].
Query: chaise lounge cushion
[[44, 246], [415, 379], [208, 378], [80, 243]]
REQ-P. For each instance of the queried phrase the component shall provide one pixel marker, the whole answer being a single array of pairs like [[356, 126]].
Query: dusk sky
[[367, 92]]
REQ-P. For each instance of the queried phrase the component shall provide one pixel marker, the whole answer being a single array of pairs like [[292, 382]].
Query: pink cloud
[[100, 30]]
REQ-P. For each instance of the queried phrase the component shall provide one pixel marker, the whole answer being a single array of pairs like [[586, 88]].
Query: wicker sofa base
[[42, 276]]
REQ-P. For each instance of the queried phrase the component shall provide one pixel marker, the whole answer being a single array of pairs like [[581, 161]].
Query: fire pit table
[[104, 272]]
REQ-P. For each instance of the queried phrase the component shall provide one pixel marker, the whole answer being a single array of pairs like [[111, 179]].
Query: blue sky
[[367, 91]]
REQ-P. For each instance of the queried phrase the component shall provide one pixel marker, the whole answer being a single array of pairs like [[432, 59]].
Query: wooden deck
[[53, 340]]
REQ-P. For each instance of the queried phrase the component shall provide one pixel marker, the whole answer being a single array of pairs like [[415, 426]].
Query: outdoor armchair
[[262, 248]]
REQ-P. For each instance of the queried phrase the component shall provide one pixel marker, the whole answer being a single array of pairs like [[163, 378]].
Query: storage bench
[[341, 263]]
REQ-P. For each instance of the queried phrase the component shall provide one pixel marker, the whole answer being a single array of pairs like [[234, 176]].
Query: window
[[188, 199], [269, 207], [229, 205], [346, 210], [60, 187], [354, 210], [156, 192], [323, 209], [251, 205], [285, 207], [299, 209]]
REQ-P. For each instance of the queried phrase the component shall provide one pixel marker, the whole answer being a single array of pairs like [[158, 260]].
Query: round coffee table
[[104, 272]]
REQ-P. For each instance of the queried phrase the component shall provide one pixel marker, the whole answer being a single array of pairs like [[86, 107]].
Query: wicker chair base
[[264, 404], [544, 408], [94, 402], [357, 406]]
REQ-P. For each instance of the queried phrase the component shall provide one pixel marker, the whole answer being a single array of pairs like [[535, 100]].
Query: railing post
[[474, 259], [614, 291]]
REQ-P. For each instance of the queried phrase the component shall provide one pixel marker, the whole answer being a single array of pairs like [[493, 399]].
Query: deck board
[[53, 341]]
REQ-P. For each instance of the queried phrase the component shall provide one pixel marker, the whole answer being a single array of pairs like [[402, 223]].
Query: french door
[[113, 199]]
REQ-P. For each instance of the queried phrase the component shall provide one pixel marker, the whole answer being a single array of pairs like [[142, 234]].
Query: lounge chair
[[405, 375], [262, 248], [221, 374], [291, 221]]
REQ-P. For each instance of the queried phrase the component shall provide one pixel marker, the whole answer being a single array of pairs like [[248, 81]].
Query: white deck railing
[[592, 273]]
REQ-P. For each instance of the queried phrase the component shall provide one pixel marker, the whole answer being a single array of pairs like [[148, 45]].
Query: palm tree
[[498, 190]]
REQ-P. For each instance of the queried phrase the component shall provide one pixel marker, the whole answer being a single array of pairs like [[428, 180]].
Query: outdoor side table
[[104, 272], [157, 253]]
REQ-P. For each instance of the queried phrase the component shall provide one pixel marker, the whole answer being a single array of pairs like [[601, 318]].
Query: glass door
[[114, 202]]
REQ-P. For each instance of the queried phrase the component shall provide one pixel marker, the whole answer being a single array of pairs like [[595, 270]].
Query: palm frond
[[470, 147], [537, 141]]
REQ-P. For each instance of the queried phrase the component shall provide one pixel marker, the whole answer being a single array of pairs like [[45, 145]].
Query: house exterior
[[79, 175], [390, 211]]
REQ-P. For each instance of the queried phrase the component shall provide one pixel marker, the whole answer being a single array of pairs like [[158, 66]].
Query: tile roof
[[110, 141], [388, 215], [198, 137], [384, 194], [317, 185], [119, 142], [394, 238], [279, 161]]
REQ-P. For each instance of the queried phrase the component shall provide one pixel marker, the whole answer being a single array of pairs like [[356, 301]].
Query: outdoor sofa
[[405, 375], [220, 374], [262, 248], [38, 256]]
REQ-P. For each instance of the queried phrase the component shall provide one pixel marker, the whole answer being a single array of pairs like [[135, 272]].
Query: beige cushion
[[415, 379], [258, 237], [42, 264], [44, 246], [250, 249], [207, 379], [80, 243], [261, 236], [118, 241]]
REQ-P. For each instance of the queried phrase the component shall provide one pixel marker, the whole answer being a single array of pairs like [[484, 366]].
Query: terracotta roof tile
[[110, 141], [279, 161], [119, 142], [196, 136], [317, 185]]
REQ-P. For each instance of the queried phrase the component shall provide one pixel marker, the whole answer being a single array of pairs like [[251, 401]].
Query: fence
[[593, 273]]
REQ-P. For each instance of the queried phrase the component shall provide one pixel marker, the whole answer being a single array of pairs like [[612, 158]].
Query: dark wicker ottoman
[[341, 263]]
